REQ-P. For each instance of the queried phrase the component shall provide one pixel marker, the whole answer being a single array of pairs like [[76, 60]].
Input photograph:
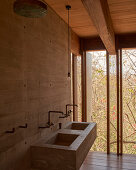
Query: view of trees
[[79, 88], [129, 100], [99, 100]]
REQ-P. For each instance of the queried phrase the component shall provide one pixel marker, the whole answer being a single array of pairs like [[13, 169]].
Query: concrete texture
[[33, 80], [65, 153]]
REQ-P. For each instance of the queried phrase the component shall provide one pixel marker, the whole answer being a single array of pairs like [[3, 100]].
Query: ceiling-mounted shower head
[[30, 8]]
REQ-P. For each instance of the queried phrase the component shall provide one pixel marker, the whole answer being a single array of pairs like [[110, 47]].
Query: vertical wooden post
[[83, 67], [82, 73], [121, 106], [108, 103], [117, 76], [73, 82]]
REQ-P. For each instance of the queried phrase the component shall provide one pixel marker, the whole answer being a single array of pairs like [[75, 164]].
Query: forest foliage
[[99, 100]]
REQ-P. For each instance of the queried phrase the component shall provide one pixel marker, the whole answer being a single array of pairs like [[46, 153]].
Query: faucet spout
[[68, 112], [49, 116]]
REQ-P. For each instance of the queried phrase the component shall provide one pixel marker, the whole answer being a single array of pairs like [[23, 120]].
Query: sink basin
[[62, 139], [78, 126], [64, 149]]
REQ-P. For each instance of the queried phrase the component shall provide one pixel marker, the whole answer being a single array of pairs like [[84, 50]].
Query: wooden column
[[108, 103], [118, 102], [121, 106], [83, 70]]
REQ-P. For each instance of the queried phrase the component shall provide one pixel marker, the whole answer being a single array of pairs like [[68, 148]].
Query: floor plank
[[102, 161]]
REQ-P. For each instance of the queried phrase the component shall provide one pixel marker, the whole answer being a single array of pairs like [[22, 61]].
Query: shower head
[[30, 8]]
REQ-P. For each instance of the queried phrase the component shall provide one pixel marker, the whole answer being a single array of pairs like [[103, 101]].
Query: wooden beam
[[92, 44], [95, 43], [99, 12], [126, 40]]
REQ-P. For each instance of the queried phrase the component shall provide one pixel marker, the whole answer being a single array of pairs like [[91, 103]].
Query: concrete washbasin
[[77, 126], [65, 149], [62, 139]]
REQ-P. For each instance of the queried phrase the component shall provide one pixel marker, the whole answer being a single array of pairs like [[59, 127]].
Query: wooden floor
[[102, 161]]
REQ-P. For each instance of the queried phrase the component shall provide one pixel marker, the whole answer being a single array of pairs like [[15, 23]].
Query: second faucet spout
[[49, 116], [68, 112]]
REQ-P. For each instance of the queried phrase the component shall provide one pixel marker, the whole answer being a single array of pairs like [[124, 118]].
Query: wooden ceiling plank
[[123, 14], [99, 12]]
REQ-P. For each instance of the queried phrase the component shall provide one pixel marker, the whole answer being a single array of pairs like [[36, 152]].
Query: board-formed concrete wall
[[33, 80]]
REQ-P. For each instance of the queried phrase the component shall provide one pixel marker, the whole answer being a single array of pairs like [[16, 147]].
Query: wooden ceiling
[[123, 14]]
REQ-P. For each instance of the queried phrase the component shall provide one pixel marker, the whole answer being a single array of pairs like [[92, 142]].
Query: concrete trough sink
[[77, 126], [65, 149], [62, 139]]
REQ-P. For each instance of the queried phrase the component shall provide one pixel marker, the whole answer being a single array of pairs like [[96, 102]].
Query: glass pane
[[99, 99], [89, 86], [129, 101], [113, 104], [79, 88]]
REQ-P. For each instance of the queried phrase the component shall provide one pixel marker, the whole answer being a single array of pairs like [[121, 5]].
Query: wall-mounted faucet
[[49, 116], [68, 112], [49, 123]]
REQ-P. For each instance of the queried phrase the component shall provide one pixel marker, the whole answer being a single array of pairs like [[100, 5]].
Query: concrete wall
[[33, 80]]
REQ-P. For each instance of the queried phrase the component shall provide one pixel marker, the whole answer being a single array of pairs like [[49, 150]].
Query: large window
[[129, 101], [99, 99], [79, 88]]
